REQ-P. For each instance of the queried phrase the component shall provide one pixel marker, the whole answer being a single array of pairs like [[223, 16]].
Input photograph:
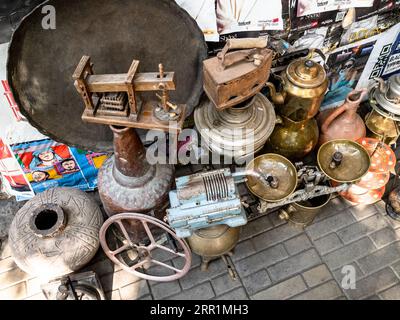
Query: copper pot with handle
[[304, 83]]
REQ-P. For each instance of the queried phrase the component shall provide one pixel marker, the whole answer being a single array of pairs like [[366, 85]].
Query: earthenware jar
[[343, 122], [56, 232]]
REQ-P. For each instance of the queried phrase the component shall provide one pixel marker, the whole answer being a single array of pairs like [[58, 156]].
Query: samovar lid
[[385, 98], [306, 73], [394, 87], [343, 160], [283, 176]]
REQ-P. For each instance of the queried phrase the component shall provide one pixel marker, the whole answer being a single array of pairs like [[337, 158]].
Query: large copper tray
[[41, 62]]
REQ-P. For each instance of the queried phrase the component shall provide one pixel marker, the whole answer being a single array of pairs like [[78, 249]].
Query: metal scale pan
[[41, 62]]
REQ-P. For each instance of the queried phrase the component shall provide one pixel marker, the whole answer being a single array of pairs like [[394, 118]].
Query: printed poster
[[308, 7]]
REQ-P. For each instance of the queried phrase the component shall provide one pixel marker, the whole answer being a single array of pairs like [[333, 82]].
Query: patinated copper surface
[[113, 33]]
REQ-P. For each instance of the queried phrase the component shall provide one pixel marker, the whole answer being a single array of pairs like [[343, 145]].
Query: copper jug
[[304, 83], [293, 139], [343, 122]]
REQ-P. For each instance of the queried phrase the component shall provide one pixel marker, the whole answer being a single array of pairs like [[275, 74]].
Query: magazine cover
[[384, 60], [48, 164], [345, 66]]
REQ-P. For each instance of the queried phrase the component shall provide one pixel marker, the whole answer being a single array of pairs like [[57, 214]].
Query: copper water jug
[[304, 84], [343, 122]]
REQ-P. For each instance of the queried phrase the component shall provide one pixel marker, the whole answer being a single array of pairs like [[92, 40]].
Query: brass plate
[[355, 163], [277, 166]]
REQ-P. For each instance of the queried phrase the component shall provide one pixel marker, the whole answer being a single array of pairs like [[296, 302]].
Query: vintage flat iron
[[111, 98], [231, 78], [204, 200]]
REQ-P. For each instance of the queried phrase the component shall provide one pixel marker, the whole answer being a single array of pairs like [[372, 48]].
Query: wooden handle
[[246, 43]]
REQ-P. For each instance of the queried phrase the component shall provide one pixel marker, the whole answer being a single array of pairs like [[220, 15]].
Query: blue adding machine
[[203, 200]]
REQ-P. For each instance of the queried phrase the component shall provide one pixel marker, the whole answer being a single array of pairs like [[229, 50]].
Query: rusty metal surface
[[113, 33]]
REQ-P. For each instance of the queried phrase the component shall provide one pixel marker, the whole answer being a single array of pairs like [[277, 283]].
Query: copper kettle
[[343, 122], [304, 83]]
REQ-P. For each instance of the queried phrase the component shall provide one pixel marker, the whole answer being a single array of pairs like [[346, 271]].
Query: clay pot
[[292, 139], [55, 233], [343, 122]]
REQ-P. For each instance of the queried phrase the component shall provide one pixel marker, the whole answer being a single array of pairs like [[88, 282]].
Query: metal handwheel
[[143, 252]]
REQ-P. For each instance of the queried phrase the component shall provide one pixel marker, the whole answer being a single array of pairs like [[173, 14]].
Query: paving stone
[[282, 290], [380, 258], [375, 282], [33, 286], [396, 268], [7, 264], [359, 229], [374, 297], [243, 250], [260, 260], [334, 206], [349, 253], [335, 222], [5, 249], [326, 291], [179, 262], [237, 294], [165, 289], [297, 244], [134, 290], [224, 284], [148, 297], [328, 243], [317, 275], [274, 218], [384, 237], [196, 276], [255, 227], [201, 292], [361, 212], [119, 279], [293, 265], [38, 296], [274, 236], [256, 282], [16, 292], [341, 298], [11, 277], [113, 295], [162, 255], [392, 293], [102, 267]]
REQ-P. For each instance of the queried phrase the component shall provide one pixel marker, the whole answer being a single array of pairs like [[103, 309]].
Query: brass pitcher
[[304, 83], [294, 139]]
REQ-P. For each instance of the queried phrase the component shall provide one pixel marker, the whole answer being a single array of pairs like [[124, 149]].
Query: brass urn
[[293, 139], [304, 83]]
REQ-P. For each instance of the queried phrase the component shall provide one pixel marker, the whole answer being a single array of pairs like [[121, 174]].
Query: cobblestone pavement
[[274, 260]]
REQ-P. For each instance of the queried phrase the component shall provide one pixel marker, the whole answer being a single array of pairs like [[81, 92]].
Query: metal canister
[[303, 213]]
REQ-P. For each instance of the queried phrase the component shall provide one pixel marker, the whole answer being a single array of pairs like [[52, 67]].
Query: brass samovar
[[383, 121]]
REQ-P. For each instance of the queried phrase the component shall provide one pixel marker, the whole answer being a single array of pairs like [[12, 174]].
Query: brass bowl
[[354, 164], [277, 166]]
